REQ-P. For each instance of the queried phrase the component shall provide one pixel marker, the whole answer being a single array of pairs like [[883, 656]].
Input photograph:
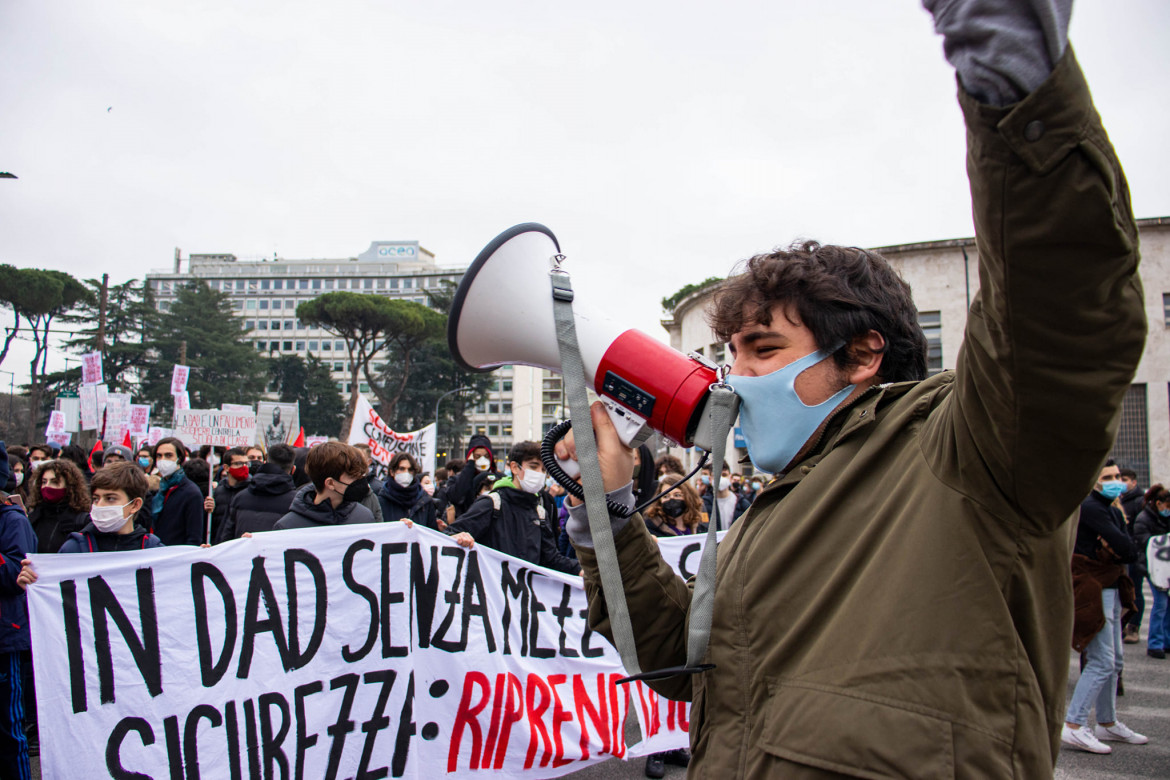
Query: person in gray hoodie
[[338, 482]]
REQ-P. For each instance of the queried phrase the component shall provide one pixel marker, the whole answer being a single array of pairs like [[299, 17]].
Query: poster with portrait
[[277, 423]]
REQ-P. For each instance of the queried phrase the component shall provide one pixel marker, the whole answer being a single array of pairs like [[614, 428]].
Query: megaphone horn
[[502, 315]]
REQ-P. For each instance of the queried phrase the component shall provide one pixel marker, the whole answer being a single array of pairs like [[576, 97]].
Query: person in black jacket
[[265, 499], [1104, 544], [1154, 520], [16, 541], [517, 527], [339, 481], [58, 503], [1132, 501], [235, 479], [460, 491], [176, 510], [402, 496]]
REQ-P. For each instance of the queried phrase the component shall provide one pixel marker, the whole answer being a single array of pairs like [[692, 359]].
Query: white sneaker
[[1119, 732], [1082, 739]]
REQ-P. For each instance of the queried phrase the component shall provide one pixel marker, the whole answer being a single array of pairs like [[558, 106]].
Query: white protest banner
[[368, 428], [179, 379], [182, 400], [215, 427], [279, 423], [103, 393], [89, 412], [139, 419], [91, 368], [237, 408], [56, 423], [352, 651], [154, 434]]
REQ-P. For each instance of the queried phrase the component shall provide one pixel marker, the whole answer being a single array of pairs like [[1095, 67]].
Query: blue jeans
[[1103, 662], [1159, 638]]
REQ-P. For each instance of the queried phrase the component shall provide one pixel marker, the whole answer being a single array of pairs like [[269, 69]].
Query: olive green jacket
[[899, 605]]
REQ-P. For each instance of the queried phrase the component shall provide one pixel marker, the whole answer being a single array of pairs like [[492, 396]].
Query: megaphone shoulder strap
[[573, 370]]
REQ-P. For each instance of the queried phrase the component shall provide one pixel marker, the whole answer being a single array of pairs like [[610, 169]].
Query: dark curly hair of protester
[[837, 292], [76, 489]]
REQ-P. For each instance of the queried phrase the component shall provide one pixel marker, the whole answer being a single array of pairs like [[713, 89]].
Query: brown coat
[[899, 604], [1089, 578]]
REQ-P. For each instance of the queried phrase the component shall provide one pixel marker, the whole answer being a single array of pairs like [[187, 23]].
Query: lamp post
[[439, 400]]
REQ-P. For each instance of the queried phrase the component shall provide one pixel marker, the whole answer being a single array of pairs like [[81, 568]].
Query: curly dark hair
[[694, 514], [838, 293], [76, 489]]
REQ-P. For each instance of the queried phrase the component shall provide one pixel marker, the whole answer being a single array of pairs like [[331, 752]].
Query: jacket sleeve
[[459, 489], [1056, 332], [17, 540], [550, 556], [658, 600], [226, 531], [191, 516], [1118, 539], [475, 520]]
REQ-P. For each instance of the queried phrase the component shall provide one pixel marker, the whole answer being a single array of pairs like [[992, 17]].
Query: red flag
[[97, 447], [126, 442], [300, 442]]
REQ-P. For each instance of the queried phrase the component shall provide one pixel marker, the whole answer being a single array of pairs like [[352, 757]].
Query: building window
[[338, 366], [263, 304], [278, 284], [239, 285], [507, 385], [312, 346], [328, 284], [276, 304], [931, 322], [251, 304], [363, 388], [263, 324], [261, 346], [493, 408], [288, 324], [493, 430], [238, 305], [164, 306], [300, 346], [506, 407], [276, 324], [381, 284], [1131, 449], [506, 429], [249, 324], [368, 284], [287, 346], [264, 284], [341, 386], [1166, 309], [339, 345], [407, 284], [393, 284], [316, 284], [304, 284], [252, 285], [300, 325]]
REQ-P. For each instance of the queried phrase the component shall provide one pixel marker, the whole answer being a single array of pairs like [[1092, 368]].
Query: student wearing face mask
[[233, 481], [16, 541], [266, 499], [679, 513], [176, 513], [403, 497], [58, 503], [513, 518], [731, 504], [461, 490], [338, 483]]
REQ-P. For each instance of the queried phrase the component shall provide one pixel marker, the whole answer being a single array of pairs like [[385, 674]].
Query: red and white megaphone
[[502, 315]]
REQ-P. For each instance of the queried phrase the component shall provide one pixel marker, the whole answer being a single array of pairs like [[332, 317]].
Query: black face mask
[[674, 507], [356, 490]]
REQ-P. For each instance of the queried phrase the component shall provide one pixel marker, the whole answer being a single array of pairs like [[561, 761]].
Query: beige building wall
[[944, 276]]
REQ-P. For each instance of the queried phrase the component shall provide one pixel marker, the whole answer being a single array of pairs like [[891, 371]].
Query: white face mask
[[108, 519], [213, 459], [167, 467], [404, 478], [531, 481], [724, 484], [19, 477], [482, 463], [429, 487]]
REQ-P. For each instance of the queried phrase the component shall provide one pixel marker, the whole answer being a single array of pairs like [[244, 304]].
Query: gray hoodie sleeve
[[1002, 50]]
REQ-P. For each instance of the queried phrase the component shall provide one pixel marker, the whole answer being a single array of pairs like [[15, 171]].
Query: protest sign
[[278, 423], [56, 423], [368, 428], [237, 408], [354, 651], [103, 393], [154, 435], [182, 400], [139, 419], [71, 409], [88, 410], [179, 379], [313, 441], [218, 428], [59, 438], [91, 368], [117, 417]]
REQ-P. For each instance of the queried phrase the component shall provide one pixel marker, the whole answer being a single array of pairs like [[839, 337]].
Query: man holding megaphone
[[897, 602]]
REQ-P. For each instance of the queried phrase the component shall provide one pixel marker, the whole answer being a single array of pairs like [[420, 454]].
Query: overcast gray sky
[[661, 142]]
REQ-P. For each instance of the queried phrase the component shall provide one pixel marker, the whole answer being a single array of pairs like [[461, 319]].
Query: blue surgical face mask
[[1112, 490], [1164, 512], [144, 462], [775, 422]]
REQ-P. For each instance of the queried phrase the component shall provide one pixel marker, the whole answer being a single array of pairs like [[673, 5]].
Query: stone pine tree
[[224, 367], [371, 324], [309, 382], [38, 298]]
